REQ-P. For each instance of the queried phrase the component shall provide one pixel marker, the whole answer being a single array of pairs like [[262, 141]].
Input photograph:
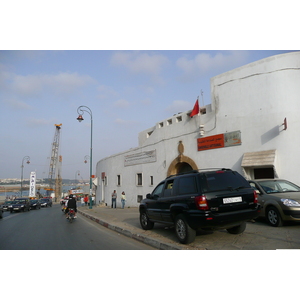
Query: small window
[[149, 133], [139, 179], [169, 122], [151, 180], [178, 119], [139, 198], [118, 180], [160, 125]]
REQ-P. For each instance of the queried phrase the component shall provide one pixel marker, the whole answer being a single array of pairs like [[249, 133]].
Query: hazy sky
[[127, 91]]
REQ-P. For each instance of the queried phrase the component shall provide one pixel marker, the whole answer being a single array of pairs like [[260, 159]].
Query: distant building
[[251, 126]]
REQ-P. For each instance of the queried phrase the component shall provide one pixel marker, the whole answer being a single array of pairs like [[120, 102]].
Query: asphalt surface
[[257, 236], [48, 229]]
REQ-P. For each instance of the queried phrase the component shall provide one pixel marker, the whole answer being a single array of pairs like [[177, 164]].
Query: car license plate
[[16, 208], [232, 200]]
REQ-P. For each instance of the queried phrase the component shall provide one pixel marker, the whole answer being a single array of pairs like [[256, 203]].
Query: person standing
[[114, 199], [86, 199], [123, 199]]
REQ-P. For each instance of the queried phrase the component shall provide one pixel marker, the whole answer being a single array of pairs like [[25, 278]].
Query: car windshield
[[278, 186], [20, 201], [33, 201], [8, 202]]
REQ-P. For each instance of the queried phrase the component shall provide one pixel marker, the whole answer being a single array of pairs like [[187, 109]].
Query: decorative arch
[[181, 163]]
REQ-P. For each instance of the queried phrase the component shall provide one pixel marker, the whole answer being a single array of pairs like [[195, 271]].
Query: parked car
[[35, 204], [46, 201], [213, 199], [7, 205], [1, 211], [20, 204], [279, 200]]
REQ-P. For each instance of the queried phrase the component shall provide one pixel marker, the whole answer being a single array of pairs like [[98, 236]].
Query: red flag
[[195, 110]]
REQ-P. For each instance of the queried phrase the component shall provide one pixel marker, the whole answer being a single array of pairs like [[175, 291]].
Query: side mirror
[[148, 196]]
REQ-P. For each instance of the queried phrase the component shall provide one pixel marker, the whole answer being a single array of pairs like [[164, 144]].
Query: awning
[[259, 158]]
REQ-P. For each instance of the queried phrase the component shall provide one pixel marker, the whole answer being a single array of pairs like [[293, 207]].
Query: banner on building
[[227, 139], [32, 185]]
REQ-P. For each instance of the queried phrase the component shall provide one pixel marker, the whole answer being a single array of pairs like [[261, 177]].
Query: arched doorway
[[183, 167], [181, 163]]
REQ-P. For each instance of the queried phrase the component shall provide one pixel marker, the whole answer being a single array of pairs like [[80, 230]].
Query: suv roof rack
[[198, 171]]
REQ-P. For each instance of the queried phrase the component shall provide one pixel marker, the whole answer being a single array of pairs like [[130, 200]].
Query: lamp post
[[76, 179], [80, 110], [22, 168]]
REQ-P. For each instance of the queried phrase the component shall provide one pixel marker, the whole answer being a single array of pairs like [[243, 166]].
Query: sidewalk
[[257, 236], [126, 221]]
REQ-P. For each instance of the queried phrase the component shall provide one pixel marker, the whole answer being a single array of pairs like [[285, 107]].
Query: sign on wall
[[227, 139], [140, 158], [32, 185]]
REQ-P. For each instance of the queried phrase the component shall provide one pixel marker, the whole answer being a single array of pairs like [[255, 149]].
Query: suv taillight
[[255, 197], [201, 203]]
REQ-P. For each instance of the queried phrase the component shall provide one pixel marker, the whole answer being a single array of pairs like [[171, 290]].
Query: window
[[118, 180], [158, 190], [169, 122], [178, 119], [149, 133], [169, 188], [151, 180], [139, 179], [160, 125], [139, 198], [187, 185]]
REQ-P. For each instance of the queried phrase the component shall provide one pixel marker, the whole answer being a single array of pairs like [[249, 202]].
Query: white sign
[[140, 158], [32, 184]]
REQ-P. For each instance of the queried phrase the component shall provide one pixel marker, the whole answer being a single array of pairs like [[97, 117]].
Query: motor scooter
[[71, 215]]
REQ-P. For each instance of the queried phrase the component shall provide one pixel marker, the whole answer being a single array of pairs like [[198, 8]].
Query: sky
[[133, 63], [127, 92]]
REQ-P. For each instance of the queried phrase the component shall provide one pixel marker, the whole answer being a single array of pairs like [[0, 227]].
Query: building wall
[[251, 101]]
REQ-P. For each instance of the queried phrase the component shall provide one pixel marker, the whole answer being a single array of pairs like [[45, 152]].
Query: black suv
[[213, 199]]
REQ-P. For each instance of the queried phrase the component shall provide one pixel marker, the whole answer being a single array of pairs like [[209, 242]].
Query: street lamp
[[22, 168], [80, 110], [86, 159]]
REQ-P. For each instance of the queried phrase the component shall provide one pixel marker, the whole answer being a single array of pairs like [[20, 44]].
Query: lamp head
[[80, 118]]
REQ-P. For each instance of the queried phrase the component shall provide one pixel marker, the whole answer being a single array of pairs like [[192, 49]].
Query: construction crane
[[54, 177]]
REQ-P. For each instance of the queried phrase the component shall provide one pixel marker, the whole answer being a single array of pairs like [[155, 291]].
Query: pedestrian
[[114, 199], [82, 200], [123, 199], [86, 199]]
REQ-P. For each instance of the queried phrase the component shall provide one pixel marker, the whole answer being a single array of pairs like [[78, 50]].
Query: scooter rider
[[71, 204]]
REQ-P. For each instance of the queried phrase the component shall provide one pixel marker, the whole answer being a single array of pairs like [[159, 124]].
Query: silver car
[[279, 200]]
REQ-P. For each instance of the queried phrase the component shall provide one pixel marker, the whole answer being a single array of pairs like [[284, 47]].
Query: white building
[[251, 126]]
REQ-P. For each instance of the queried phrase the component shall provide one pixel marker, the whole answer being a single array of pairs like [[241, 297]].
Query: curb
[[139, 237]]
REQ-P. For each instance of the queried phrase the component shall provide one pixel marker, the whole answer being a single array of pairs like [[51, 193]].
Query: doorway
[[183, 167]]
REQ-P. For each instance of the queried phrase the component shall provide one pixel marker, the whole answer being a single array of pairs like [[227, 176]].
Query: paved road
[[47, 229]]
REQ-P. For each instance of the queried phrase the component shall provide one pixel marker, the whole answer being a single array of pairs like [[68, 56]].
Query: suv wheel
[[273, 217], [237, 229], [184, 232], [145, 222]]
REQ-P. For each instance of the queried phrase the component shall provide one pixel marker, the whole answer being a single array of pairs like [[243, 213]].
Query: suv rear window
[[222, 180]]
